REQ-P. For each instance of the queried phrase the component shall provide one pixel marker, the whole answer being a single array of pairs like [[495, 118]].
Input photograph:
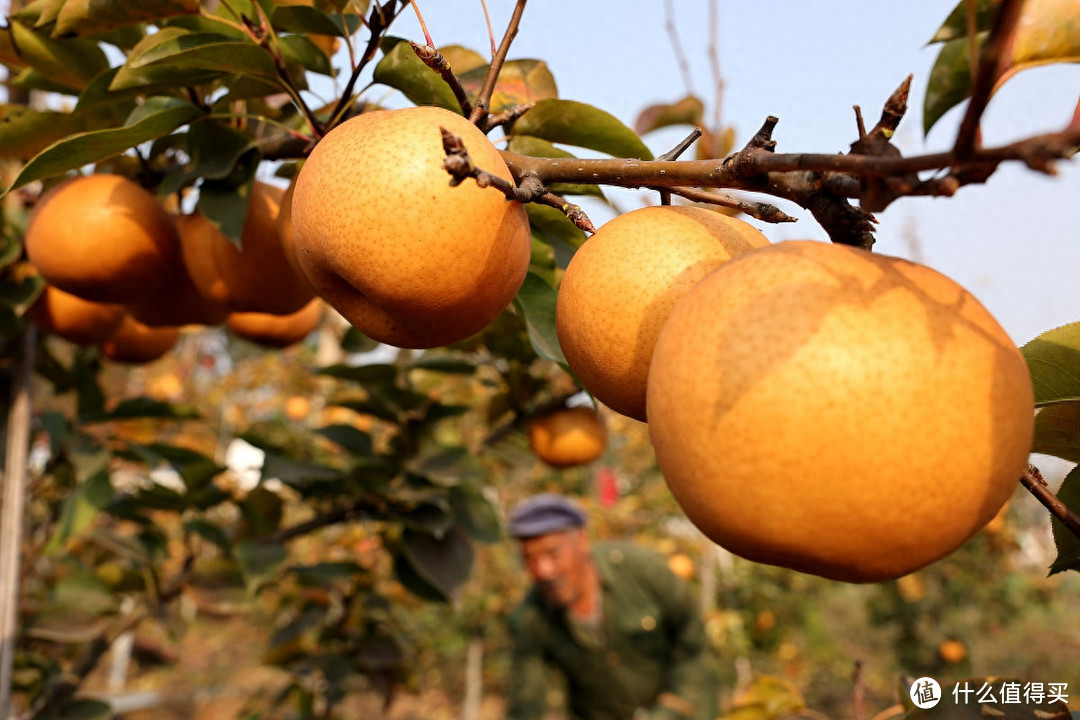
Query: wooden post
[[20, 416]]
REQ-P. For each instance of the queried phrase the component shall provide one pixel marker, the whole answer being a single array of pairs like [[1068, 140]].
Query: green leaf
[[354, 440], [520, 82], [204, 51], [551, 226], [475, 514], [443, 564], [25, 132], [575, 123], [687, 111], [91, 398], [80, 710], [208, 531], [1068, 545], [159, 116], [215, 151], [298, 473], [536, 303], [83, 17], [80, 509], [19, 292], [259, 560], [70, 63], [145, 407], [1057, 431], [305, 54], [1054, 361], [321, 572], [402, 70], [225, 202], [374, 374], [443, 364], [956, 25], [355, 341], [304, 19]]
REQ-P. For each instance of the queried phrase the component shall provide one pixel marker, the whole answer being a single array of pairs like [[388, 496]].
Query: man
[[617, 623]]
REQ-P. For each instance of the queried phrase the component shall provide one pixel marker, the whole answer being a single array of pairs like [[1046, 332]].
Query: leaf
[[159, 116], [298, 473], [443, 564], [70, 63], [1048, 31], [145, 407], [90, 17], [462, 59], [1057, 431], [536, 303], [956, 25], [80, 710], [354, 440], [475, 514], [304, 19], [520, 82], [204, 51], [688, 111], [319, 573], [80, 509], [582, 125], [208, 531], [305, 54], [1068, 545], [224, 202], [443, 364], [259, 560], [402, 70], [91, 398], [1054, 362], [374, 374], [215, 151], [551, 226], [25, 132]]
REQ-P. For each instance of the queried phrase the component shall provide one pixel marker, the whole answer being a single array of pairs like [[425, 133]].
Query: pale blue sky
[[1014, 243]]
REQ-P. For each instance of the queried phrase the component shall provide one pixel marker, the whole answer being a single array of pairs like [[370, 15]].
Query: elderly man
[[618, 624]]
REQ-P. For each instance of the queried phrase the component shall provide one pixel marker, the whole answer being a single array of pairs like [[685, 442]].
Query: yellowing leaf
[[90, 17], [520, 82], [688, 111]]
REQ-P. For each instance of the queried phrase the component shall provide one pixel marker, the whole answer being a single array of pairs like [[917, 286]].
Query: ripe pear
[[102, 238], [277, 331], [622, 284], [384, 238], [841, 413], [135, 343], [568, 436], [76, 320], [256, 277]]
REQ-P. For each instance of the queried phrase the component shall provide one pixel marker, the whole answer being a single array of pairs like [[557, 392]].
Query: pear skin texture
[[256, 277], [403, 256], [837, 412], [277, 331], [568, 437], [103, 238], [135, 344], [622, 284], [78, 321]]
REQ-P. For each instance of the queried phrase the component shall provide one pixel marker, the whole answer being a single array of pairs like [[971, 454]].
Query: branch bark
[[1032, 480], [479, 116]]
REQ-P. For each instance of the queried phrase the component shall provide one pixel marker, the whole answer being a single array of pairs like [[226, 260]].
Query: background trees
[[389, 485]]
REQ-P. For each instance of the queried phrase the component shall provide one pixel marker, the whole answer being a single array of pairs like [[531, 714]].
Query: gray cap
[[545, 513]]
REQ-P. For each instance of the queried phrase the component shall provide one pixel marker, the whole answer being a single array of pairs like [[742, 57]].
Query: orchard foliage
[[193, 100]]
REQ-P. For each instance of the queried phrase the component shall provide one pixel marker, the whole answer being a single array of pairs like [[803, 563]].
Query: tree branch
[[380, 18], [483, 99], [993, 60], [438, 62], [1032, 479]]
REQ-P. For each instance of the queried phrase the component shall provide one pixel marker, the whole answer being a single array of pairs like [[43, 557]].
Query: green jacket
[[649, 656]]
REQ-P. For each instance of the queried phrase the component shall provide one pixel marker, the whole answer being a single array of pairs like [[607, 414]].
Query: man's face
[[557, 564]]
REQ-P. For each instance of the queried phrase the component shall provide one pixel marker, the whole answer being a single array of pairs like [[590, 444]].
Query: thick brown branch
[[993, 61], [438, 62], [1032, 480], [483, 99]]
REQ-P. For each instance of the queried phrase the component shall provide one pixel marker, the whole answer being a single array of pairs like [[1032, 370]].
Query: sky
[[1014, 243]]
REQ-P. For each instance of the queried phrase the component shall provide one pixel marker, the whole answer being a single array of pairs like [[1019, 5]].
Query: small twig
[[714, 63], [356, 510], [1033, 480], [529, 187], [438, 62], [993, 60], [765, 212], [423, 25], [508, 116], [859, 691], [491, 32], [483, 99], [683, 146], [677, 46], [379, 20]]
